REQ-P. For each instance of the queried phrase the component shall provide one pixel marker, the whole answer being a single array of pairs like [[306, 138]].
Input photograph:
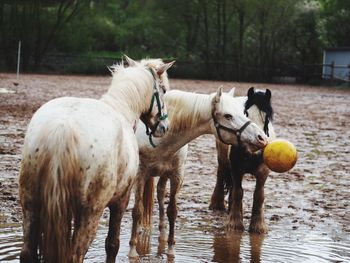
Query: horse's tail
[[59, 174], [224, 167], [148, 202]]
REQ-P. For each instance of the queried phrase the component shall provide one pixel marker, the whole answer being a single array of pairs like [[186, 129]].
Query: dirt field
[[314, 195]]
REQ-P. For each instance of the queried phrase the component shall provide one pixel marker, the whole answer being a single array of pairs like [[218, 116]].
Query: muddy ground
[[316, 193]]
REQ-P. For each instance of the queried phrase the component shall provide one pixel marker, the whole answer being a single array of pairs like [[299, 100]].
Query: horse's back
[[99, 136]]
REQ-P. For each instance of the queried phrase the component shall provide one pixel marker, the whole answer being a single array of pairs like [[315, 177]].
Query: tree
[[37, 23], [335, 22]]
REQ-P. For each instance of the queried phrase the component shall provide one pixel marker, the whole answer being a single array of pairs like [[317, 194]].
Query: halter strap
[[161, 117], [238, 132]]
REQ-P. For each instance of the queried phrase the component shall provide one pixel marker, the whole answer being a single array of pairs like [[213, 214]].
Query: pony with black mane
[[236, 160]]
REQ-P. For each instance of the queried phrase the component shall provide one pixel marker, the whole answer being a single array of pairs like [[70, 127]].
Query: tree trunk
[[241, 16], [206, 37]]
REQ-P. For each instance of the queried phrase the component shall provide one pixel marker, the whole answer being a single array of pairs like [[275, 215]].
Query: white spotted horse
[[80, 155]]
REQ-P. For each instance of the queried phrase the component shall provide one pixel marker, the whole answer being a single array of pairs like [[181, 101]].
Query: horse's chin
[[252, 148], [158, 134]]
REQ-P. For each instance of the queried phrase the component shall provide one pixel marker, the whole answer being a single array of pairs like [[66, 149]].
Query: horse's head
[[155, 117], [258, 108], [232, 126]]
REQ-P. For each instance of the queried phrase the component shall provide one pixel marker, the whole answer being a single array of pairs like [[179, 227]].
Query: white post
[[18, 58]]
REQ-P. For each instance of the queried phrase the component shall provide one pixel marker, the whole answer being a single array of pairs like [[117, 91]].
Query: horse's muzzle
[[261, 141], [162, 128]]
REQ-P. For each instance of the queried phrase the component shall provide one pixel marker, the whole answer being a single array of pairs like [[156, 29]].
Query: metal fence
[[336, 72], [287, 73]]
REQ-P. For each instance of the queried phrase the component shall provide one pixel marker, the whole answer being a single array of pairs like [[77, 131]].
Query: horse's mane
[[129, 84], [185, 109]]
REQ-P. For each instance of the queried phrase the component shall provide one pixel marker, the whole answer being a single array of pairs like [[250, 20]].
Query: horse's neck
[[121, 107], [129, 97], [190, 117]]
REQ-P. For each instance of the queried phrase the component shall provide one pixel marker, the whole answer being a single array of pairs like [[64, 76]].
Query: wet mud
[[307, 209]]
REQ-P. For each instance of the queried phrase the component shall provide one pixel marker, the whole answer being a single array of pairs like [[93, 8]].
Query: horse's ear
[[232, 92], [218, 94], [250, 92], [130, 61], [268, 94], [216, 100], [164, 67]]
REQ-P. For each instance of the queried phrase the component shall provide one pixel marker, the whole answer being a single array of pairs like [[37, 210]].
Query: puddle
[[306, 210], [197, 244]]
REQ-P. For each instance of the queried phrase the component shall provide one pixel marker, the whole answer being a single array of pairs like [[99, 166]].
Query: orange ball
[[280, 155]]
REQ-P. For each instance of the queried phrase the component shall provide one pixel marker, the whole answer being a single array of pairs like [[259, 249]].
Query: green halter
[[161, 117]]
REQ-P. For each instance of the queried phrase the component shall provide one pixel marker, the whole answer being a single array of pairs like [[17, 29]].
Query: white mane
[[185, 109], [129, 85]]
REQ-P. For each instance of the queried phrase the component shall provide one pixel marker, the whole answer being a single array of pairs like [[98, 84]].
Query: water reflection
[[256, 242], [145, 247], [195, 244], [232, 247]]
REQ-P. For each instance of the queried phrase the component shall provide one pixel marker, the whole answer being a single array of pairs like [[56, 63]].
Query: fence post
[[18, 58], [332, 70]]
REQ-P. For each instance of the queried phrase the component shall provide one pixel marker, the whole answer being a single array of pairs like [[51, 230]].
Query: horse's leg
[[137, 213], [31, 221], [30, 235], [236, 206], [85, 228], [175, 185], [117, 209], [161, 191], [257, 224], [217, 201]]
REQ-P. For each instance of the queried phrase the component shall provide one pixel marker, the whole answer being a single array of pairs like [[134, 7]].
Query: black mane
[[263, 101]]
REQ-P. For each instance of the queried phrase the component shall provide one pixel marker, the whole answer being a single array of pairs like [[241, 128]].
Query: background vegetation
[[222, 39]]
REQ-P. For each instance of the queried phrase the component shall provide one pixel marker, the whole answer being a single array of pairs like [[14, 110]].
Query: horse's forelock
[[152, 62], [262, 101]]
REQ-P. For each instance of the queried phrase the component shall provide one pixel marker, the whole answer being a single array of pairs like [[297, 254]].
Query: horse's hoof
[[171, 251], [258, 229], [133, 253], [217, 207], [162, 236], [26, 256], [235, 226]]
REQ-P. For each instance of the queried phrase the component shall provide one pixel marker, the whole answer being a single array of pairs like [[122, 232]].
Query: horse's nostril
[[163, 129], [260, 138]]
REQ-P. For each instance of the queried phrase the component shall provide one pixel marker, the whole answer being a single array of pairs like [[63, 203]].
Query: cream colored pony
[[191, 115], [81, 155]]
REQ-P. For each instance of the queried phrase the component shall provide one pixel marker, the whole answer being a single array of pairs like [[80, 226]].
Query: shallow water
[[200, 242], [307, 209]]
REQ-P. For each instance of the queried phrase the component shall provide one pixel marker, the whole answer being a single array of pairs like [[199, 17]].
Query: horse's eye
[[228, 116], [163, 89]]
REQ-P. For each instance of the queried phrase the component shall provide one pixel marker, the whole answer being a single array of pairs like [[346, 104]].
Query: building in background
[[336, 63]]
